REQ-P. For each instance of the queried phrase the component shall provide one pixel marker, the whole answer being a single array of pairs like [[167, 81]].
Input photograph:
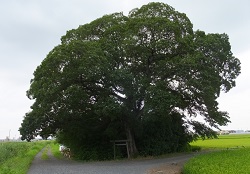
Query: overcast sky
[[29, 29]]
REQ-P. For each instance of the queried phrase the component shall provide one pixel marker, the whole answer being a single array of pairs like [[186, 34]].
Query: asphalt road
[[65, 166]]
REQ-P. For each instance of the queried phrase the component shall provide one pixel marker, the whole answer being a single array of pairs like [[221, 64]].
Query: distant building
[[224, 132], [232, 131]]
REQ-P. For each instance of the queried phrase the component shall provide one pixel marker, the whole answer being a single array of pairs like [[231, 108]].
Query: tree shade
[[144, 77]]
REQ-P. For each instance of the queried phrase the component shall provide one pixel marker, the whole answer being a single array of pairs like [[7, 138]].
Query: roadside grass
[[45, 153], [16, 157], [54, 146], [231, 156]]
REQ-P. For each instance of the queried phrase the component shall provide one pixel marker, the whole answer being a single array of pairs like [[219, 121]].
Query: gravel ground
[[171, 165]]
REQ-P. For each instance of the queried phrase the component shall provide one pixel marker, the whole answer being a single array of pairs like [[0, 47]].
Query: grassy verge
[[45, 153], [16, 157], [55, 150], [232, 156]]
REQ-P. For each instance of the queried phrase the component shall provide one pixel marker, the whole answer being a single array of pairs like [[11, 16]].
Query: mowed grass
[[231, 156], [16, 157]]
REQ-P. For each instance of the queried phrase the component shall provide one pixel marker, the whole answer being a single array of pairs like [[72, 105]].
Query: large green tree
[[144, 77]]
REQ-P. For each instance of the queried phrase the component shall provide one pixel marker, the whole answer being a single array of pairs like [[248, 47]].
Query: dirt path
[[171, 165], [173, 168]]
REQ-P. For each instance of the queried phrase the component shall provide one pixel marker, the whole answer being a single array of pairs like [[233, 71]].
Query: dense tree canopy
[[144, 77]]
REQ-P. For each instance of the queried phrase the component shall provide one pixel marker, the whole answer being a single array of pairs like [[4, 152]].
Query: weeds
[[16, 157], [55, 150], [45, 153]]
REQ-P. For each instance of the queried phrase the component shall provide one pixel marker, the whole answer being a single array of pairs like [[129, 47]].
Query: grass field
[[224, 141], [16, 157], [231, 156]]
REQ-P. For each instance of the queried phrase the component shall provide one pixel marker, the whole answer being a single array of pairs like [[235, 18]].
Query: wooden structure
[[121, 143]]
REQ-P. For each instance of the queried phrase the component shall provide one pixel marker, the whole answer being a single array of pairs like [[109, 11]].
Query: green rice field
[[230, 155], [224, 141]]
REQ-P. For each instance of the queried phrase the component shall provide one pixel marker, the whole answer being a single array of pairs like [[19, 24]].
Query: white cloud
[[236, 101]]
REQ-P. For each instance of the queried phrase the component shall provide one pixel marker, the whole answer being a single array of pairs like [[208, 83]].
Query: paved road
[[64, 166]]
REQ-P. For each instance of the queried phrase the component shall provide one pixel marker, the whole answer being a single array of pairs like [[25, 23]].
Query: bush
[[162, 135]]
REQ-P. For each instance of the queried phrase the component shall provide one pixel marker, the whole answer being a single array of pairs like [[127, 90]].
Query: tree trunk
[[130, 137]]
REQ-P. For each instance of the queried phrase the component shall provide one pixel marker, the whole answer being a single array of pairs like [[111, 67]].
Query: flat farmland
[[224, 141], [231, 155]]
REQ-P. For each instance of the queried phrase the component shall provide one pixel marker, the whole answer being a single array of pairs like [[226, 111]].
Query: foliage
[[142, 77], [16, 157], [164, 136]]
